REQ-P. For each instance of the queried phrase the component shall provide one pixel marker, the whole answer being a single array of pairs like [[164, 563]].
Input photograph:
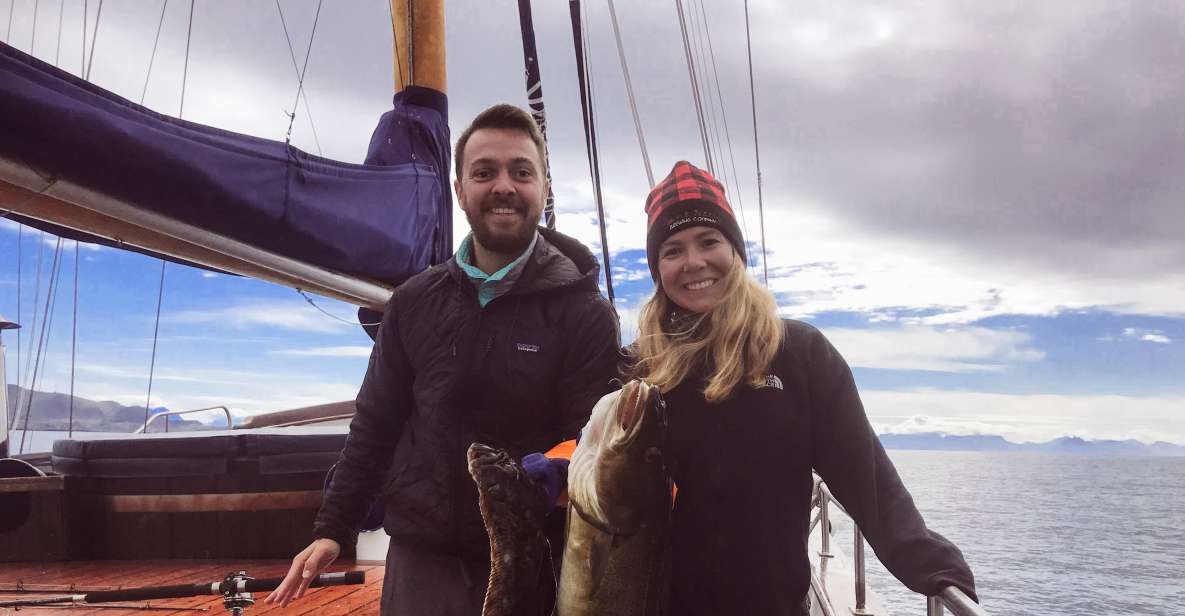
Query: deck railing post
[[858, 566], [934, 606], [824, 523]]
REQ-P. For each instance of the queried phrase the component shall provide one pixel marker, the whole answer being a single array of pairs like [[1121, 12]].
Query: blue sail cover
[[387, 219]]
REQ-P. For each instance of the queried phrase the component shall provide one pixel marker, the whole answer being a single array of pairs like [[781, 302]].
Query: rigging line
[[756, 149], [33, 37], [724, 116], [36, 298], [705, 87], [185, 71], [152, 59], [411, 41], [8, 33], [57, 54], [629, 89], [73, 343], [699, 112], [534, 81], [41, 341], [94, 35], [399, 81], [300, 83], [331, 315], [160, 294], [303, 95], [20, 233], [590, 140]]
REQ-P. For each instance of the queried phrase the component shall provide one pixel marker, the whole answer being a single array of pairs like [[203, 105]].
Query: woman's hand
[[305, 568]]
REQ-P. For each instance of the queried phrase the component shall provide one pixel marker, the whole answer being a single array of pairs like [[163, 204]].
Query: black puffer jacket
[[522, 373]]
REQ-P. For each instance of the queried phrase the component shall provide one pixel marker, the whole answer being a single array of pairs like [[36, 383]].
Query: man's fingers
[[284, 592], [323, 555]]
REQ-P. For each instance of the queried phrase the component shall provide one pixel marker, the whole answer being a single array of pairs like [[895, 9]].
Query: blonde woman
[[755, 404]]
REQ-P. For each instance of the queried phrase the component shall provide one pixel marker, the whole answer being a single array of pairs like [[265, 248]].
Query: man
[[509, 343]]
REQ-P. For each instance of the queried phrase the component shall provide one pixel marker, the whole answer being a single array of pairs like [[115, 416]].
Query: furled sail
[[78, 160]]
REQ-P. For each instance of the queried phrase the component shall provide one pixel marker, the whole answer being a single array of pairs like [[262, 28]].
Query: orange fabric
[[563, 450]]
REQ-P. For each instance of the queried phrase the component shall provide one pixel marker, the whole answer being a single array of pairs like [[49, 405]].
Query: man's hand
[[305, 567]]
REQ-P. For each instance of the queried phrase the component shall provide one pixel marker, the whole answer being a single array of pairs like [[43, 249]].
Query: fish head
[[631, 476]]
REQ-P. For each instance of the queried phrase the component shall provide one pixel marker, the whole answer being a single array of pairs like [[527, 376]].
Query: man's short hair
[[507, 117]]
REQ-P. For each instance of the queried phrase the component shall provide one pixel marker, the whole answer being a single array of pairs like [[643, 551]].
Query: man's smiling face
[[502, 189]]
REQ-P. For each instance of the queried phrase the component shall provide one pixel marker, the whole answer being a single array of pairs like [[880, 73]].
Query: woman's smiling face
[[692, 265]]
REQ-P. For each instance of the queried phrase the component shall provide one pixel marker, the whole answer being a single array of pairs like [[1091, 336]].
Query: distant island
[[937, 441], [51, 411]]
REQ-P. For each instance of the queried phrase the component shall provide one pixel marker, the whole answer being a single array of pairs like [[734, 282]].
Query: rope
[[33, 36], [299, 92], [94, 35], [73, 342], [20, 232], [535, 99], [41, 342], [411, 41], [8, 32], [160, 294], [152, 59], [701, 79], [24, 378], [300, 84], [590, 139], [399, 72], [331, 315], [185, 72], [756, 149], [629, 89], [699, 110], [57, 54], [724, 116]]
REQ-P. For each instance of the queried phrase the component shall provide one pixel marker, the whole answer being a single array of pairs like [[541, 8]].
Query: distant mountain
[[51, 411], [937, 441]]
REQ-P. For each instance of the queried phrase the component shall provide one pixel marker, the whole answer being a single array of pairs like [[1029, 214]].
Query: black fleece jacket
[[522, 373], [743, 468]]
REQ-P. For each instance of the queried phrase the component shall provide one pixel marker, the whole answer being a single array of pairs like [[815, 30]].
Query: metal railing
[[950, 598], [141, 429]]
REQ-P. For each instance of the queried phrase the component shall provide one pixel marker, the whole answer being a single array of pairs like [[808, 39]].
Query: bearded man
[[509, 343]]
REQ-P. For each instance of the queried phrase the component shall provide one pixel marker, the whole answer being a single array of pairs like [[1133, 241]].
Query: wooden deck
[[55, 579]]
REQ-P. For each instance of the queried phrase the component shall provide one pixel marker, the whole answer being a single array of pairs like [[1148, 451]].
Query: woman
[[755, 403]]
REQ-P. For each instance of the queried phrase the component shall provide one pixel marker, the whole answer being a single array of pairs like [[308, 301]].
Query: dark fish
[[615, 559], [513, 507]]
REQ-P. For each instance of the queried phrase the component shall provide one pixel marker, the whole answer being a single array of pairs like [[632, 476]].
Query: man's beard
[[503, 242]]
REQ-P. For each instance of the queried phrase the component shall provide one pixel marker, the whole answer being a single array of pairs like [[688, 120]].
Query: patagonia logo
[[528, 348], [772, 380]]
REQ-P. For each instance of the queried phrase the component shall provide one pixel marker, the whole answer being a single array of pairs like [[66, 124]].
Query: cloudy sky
[[981, 204]]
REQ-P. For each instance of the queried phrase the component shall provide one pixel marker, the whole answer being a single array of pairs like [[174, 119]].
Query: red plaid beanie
[[687, 197]]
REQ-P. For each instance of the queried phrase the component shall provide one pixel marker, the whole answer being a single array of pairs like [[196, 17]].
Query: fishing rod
[[236, 590]]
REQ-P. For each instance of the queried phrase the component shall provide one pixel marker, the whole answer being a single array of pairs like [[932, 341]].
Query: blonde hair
[[736, 341]]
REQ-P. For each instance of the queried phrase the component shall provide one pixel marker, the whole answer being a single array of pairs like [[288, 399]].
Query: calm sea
[[1051, 534]]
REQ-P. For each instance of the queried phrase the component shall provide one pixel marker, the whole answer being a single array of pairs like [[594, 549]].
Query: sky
[[980, 204]]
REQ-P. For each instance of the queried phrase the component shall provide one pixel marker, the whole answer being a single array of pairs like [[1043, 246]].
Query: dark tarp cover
[[386, 219]]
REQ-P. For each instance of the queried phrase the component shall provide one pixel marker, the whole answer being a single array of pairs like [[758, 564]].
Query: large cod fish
[[615, 558], [513, 507]]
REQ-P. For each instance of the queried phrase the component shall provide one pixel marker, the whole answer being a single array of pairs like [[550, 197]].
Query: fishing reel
[[234, 598]]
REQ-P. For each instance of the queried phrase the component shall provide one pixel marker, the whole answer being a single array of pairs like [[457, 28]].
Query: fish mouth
[[487, 465], [631, 415]]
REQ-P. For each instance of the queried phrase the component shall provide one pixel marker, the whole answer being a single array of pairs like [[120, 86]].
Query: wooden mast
[[417, 27]]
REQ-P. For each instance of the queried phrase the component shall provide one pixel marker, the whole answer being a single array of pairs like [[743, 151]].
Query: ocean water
[[1050, 534]]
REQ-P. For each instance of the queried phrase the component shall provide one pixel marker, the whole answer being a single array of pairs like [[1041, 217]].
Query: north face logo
[[772, 380], [529, 348]]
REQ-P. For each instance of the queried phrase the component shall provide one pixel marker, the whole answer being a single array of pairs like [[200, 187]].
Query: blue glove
[[550, 473]]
